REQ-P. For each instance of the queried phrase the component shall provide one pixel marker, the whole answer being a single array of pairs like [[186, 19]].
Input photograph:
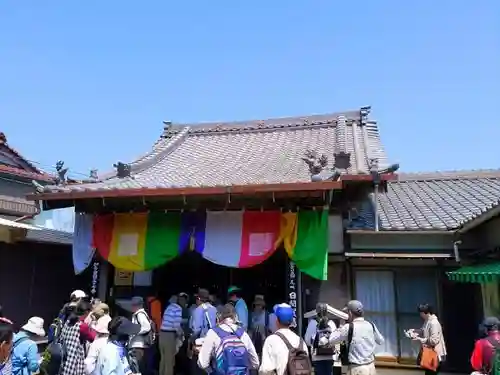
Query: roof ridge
[[448, 175], [298, 122], [160, 150]]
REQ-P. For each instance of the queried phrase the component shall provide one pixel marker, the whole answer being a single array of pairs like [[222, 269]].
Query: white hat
[[102, 324], [35, 326], [78, 294]]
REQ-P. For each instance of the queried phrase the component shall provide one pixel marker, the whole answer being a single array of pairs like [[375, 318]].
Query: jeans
[[323, 367]]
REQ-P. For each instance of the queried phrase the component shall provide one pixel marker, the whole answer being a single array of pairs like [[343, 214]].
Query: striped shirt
[[172, 318]]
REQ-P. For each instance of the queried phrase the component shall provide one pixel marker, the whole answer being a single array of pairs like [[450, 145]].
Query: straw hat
[[259, 300], [35, 326], [102, 324]]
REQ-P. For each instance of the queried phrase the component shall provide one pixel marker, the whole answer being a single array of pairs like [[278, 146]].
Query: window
[[390, 299], [375, 289]]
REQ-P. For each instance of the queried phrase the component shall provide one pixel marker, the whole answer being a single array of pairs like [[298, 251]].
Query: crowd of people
[[211, 337]]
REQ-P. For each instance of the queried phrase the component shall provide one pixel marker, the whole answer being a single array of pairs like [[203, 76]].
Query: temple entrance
[[191, 271]]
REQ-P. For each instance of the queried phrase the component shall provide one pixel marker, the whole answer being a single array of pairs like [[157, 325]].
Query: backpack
[[55, 328], [494, 365], [299, 362], [53, 356], [151, 336], [346, 345], [321, 334], [231, 357], [257, 338]]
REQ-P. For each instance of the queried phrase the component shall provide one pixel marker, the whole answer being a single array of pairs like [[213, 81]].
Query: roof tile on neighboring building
[[248, 152], [26, 170], [50, 236], [431, 201]]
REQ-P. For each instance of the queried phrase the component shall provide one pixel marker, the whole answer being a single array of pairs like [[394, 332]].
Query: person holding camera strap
[[361, 338]]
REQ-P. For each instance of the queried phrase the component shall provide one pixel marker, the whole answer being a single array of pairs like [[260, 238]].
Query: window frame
[[431, 271]]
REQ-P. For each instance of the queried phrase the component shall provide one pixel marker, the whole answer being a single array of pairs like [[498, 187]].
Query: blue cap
[[284, 312]]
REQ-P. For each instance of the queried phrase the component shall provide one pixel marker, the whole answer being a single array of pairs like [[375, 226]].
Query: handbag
[[428, 358]]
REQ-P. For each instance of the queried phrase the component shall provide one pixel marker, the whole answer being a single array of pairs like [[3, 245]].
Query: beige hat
[[100, 310], [35, 326], [102, 324], [259, 300]]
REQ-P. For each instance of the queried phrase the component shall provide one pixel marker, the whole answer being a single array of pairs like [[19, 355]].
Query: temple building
[[300, 209]]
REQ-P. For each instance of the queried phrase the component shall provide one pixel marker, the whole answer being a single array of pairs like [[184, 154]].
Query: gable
[[11, 159], [14, 164]]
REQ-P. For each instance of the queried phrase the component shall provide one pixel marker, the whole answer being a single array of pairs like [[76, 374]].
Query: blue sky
[[90, 82]]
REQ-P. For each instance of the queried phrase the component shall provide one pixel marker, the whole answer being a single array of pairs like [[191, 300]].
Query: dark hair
[[6, 331], [113, 328], [1, 311], [81, 309], [322, 316], [227, 311], [236, 293], [425, 308]]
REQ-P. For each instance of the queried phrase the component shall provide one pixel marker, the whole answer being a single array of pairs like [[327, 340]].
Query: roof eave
[[188, 191], [203, 191], [399, 232], [490, 214]]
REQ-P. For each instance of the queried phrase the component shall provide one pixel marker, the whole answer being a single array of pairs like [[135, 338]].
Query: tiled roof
[[25, 174], [431, 201], [29, 170], [249, 152], [51, 236]]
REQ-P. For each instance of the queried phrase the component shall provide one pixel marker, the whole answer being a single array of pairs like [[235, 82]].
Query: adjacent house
[[428, 224], [36, 273]]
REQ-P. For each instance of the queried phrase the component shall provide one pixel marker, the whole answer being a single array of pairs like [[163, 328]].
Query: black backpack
[[151, 336], [299, 362], [53, 356], [323, 330]]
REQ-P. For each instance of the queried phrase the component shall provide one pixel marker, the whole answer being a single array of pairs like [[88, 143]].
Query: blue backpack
[[231, 357]]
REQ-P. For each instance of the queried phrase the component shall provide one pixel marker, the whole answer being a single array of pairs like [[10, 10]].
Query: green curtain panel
[[481, 273]]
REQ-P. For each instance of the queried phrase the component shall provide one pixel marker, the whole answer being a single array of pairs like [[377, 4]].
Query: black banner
[[95, 278], [292, 288]]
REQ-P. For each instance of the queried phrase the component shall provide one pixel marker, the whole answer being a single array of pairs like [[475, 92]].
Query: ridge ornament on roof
[[61, 173], [93, 176], [316, 163], [123, 170]]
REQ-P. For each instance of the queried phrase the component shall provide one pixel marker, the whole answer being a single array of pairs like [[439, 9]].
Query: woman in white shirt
[[325, 359], [113, 357], [101, 328]]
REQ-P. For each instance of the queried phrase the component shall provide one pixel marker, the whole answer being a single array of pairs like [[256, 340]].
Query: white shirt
[[110, 363], [93, 354], [140, 317], [310, 336], [275, 352], [365, 338], [212, 341]]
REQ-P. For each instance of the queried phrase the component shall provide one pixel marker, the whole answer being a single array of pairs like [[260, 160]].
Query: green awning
[[480, 273]]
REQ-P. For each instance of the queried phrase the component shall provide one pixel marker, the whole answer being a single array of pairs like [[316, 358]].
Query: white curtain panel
[[375, 289]]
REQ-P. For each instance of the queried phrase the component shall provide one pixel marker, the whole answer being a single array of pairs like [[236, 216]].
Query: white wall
[[62, 219]]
